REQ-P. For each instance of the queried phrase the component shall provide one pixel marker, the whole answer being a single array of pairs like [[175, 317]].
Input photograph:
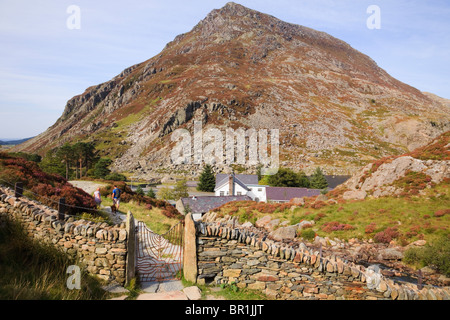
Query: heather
[[402, 219], [45, 187]]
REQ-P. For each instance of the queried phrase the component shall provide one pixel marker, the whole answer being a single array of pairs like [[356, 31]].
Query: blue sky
[[43, 63]]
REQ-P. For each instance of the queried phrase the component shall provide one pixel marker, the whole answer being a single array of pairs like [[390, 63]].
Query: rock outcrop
[[392, 176]]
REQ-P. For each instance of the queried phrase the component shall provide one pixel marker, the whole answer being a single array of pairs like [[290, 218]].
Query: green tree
[[151, 193], [66, 154], [115, 176], [317, 180], [180, 190], [139, 191], [207, 181], [78, 151], [286, 177], [51, 163], [166, 193], [101, 169], [88, 154]]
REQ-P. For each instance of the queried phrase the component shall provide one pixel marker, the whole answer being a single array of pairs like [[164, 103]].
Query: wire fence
[[49, 200]]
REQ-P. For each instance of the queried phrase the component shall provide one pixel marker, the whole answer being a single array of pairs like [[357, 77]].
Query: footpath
[[167, 290]]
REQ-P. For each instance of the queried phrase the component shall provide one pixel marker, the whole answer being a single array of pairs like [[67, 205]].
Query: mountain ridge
[[241, 68]]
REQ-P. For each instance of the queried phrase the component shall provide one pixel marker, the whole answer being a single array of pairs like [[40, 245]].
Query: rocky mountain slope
[[408, 174], [239, 68]]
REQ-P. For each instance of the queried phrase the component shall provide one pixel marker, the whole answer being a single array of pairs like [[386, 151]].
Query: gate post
[[18, 189], [61, 208], [190, 250], [130, 269]]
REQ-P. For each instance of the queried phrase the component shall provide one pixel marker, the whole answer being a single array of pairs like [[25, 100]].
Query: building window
[[259, 189], [239, 193], [222, 193]]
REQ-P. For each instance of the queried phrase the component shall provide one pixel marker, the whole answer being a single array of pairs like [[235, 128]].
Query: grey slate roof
[[236, 180], [246, 179], [286, 194], [208, 203]]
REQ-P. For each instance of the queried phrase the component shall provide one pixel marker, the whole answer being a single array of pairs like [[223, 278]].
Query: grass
[[153, 218], [415, 217], [226, 291], [31, 270]]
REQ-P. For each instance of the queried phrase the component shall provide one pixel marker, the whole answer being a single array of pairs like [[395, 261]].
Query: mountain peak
[[242, 68], [233, 8], [228, 12]]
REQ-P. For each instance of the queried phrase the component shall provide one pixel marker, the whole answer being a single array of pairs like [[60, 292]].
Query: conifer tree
[[151, 193], [207, 181], [318, 180]]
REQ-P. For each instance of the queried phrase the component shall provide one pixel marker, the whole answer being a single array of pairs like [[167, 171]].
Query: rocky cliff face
[[409, 174], [333, 106]]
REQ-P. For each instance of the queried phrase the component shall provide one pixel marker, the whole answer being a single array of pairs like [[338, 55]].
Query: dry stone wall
[[235, 255], [100, 248]]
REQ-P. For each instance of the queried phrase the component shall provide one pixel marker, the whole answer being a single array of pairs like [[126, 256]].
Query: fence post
[[419, 280], [190, 250], [130, 268], [61, 208], [18, 189]]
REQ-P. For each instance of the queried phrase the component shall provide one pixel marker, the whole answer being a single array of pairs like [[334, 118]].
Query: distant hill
[[13, 142]]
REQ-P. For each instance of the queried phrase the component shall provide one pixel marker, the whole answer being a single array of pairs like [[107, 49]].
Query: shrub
[[370, 228], [319, 216], [318, 204], [413, 182], [336, 226], [171, 212], [115, 177], [386, 235], [308, 234], [441, 213], [435, 255]]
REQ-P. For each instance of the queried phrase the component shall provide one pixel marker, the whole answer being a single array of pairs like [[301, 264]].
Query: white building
[[247, 185], [239, 185]]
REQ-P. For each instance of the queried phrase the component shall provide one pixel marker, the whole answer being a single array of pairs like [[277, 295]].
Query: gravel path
[[87, 186]]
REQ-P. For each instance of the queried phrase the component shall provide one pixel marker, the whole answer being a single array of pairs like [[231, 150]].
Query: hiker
[[98, 197], [116, 197]]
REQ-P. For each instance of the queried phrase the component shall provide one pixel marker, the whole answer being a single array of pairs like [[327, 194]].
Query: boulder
[[304, 223], [193, 293], [298, 201], [283, 233], [270, 226], [390, 254], [261, 223], [321, 197], [354, 195]]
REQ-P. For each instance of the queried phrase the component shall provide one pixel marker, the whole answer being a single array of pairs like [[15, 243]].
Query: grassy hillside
[[31, 270], [404, 219]]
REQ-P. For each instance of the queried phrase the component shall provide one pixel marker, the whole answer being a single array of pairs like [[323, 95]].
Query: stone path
[[168, 290]]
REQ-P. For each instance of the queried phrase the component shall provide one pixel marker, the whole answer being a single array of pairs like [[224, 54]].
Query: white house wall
[[256, 191]]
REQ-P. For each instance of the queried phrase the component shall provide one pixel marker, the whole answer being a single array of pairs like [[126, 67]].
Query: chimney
[[231, 184]]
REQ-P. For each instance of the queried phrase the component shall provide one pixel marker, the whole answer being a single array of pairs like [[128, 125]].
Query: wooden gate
[[159, 257]]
